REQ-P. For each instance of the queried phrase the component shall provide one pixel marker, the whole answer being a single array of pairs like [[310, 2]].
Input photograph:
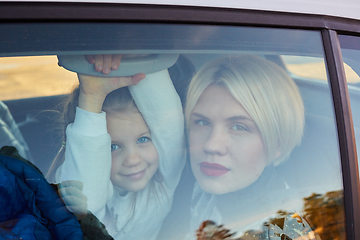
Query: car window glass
[[259, 156], [46, 78], [350, 49]]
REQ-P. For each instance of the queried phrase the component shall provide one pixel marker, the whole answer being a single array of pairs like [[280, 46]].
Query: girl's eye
[[115, 147], [202, 122], [143, 140], [239, 127]]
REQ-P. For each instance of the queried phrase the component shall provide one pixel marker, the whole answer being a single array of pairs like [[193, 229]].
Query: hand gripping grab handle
[[129, 66]]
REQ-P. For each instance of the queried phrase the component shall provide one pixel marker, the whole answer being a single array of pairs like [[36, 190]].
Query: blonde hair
[[265, 91]]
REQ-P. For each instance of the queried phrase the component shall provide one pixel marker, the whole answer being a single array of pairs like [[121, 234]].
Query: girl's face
[[226, 149], [135, 159]]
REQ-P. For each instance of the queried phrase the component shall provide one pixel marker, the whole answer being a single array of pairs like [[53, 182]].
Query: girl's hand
[[71, 193], [102, 86], [93, 89], [105, 63]]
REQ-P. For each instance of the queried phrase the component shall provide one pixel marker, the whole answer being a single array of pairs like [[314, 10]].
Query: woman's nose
[[132, 159], [216, 142]]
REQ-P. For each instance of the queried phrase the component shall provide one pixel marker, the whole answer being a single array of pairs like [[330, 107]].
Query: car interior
[[314, 165], [37, 120]]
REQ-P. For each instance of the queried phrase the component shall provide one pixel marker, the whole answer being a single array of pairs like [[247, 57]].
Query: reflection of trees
[[326, 215], [323, 212], [209, 230]]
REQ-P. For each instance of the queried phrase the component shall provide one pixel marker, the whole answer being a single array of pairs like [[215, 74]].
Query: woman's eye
[[239, 127], [143, 140], [114, 147], [202, 123]]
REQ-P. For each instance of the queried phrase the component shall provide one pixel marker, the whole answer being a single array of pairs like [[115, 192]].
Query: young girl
[[127, 150]]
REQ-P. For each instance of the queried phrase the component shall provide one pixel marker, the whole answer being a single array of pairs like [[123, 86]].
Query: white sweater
[[88, 159]]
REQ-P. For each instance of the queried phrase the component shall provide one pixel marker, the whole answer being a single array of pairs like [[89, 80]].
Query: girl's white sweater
[[88, 159]]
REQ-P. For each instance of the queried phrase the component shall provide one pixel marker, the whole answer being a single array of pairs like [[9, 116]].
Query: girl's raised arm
[[87, 153], [93, 90], [160, 105]]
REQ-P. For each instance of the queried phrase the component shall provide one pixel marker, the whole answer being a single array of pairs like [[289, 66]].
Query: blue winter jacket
[[29, 207]]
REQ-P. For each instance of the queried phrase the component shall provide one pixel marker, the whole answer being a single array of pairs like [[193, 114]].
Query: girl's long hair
[[67, 116]]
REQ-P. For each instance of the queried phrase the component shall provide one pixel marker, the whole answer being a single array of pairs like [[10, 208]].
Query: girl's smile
[[135, 176]]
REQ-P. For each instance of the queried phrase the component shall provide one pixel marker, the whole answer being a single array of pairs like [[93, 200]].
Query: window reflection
[[263, 160], [350, 49]]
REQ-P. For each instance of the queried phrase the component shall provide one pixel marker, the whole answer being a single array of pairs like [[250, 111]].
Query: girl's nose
[[132, 159], [216, 143]]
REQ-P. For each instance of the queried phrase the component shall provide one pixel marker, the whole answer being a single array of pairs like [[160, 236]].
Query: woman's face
[[226, 149]]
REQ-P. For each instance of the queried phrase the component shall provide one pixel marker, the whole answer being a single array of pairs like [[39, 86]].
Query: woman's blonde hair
[[265, 91]]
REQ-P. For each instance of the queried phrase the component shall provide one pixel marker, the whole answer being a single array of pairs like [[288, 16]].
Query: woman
[[244, 116]]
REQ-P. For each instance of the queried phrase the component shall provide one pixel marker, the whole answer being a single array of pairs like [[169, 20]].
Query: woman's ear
[[275, 161]]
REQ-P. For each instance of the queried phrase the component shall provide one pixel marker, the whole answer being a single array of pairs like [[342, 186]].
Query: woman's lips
[[213, 169], [135, 176]]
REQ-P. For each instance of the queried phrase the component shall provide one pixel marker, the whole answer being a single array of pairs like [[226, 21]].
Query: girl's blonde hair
[[265, 91]]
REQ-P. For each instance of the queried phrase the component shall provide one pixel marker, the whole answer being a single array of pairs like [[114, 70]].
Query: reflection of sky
[[300, 59], [353, 56]]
